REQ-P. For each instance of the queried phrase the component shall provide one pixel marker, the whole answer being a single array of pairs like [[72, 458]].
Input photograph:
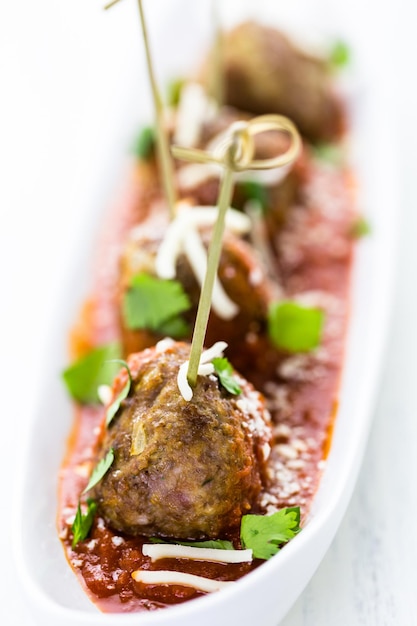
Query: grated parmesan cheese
[[193, 110], [192, 218], [170, 551], [287, 451], [266, 451], [164, 344], [164, 577], [117, 541], [196, 254]]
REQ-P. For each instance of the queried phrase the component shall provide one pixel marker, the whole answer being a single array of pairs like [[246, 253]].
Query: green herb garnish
[[174, 89], [176, 327], [99, 470], [218, 544], [265, 534], [294, 327], [329, 152], [154, 303], [255, 191], [83, 377], [224, 371], [115, 405], [360, 228], [339, 54], [144, 146], [82, 523]]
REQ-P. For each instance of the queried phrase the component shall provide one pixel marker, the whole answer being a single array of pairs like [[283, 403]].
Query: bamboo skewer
[[235, 153], [164, 155]]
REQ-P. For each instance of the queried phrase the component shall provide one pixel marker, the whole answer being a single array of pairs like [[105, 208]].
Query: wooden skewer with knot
[[234, 150]]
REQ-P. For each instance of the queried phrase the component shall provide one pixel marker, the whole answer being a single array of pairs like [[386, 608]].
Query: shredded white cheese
[[188, 218], [205, 368], [174, 551], [266, 451], [182, 236], [204, 216], [165, 577], [170, 247], [215, 351], [193, 110], [196, 254], [164, 344], [117, 541]]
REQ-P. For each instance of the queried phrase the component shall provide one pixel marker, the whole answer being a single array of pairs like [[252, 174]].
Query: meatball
[[282, 193], [185, 470], [242, 276], [265, 73]]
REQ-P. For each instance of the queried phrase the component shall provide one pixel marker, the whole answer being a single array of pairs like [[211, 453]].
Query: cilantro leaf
[[115, 405], [145, 143], [218, 544], [174, 89], [265, 534], [360, 228], [294, 327], [339, 54], [152, 303], [224, 371], [100, 469], [329, 153], [82, 523], [83, 377], [255, 191]]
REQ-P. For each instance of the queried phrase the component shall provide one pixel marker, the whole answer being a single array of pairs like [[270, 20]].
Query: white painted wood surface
[[369, 576]]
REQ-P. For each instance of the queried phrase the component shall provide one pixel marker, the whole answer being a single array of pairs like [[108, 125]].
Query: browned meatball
[[186, 470], [242, 276], [266, 73]]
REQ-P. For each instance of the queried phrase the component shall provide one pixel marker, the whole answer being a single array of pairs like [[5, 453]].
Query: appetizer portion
[[189, 474], [242, 294], [182, 469], [266, 73]]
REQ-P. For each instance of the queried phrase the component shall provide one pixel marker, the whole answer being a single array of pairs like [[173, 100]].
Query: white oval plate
[[264, 596]]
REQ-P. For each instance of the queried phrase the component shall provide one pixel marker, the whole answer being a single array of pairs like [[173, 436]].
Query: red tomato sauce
[[314, 257]]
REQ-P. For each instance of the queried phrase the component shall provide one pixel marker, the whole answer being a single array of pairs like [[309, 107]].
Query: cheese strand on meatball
[[205, 368], [182, 236]]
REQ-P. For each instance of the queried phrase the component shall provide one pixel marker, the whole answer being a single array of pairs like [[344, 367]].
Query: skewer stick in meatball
[[235, 154]]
